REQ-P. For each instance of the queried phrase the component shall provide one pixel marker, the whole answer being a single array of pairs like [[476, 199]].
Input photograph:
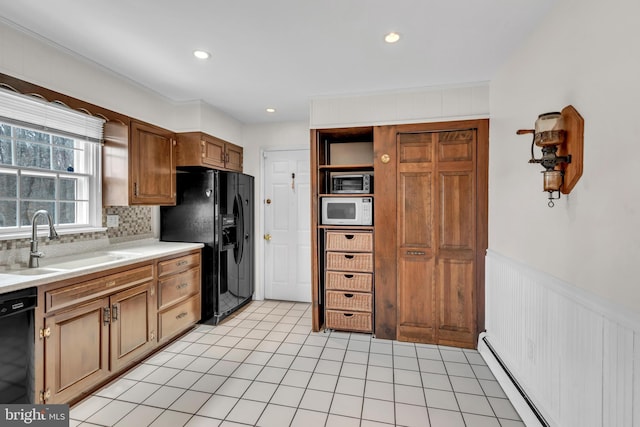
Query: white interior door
[[287, 253]]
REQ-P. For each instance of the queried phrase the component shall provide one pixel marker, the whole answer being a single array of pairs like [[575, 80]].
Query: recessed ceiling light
[[392, 37], [271, 110], [201, 54]]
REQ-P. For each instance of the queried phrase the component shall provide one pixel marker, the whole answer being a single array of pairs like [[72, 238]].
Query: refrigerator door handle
[[239, 251]]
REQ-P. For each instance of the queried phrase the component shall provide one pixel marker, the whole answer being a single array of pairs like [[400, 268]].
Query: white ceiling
[[282, 53]]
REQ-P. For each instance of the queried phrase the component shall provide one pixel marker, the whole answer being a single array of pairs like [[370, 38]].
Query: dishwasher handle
[[18, 301]]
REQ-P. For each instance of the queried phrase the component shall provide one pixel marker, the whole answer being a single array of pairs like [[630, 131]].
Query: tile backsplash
[[134, 224]]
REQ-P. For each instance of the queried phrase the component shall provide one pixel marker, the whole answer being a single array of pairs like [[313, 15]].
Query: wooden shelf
[[345, 195], [347, 227], [349, 167]]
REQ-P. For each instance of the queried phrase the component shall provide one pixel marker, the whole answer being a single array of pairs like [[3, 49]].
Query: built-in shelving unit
[[343, 297]]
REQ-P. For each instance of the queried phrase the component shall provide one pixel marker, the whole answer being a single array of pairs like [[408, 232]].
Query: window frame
[[92, 161]]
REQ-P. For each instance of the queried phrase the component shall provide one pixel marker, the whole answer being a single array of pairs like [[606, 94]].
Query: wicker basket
[[348, 281], [354, 301], [348, 321], [350, 261], [344, 241]]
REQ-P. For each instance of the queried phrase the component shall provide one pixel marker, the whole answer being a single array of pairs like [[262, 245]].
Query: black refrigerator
[[216, 208]]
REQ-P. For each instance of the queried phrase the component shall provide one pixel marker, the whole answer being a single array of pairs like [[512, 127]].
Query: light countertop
[[112, 256]]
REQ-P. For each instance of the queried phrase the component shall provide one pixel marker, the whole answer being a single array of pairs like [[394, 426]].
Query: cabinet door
[[234, 155], [213, 152], [152, 165], [133, 329], [77, 350], [436, 220]]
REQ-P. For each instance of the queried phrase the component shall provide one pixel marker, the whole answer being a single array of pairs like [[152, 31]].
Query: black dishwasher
[[16, 346]]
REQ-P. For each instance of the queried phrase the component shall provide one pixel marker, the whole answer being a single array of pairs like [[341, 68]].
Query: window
[[45, 168]]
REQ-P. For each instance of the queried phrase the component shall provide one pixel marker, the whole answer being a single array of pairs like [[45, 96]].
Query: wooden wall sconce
[[561, 138]]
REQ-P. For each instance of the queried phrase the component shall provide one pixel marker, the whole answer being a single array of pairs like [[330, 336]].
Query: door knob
[[267, 237]]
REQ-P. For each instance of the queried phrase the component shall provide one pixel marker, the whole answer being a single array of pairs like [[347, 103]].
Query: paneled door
[[436, 236], [287, 209]]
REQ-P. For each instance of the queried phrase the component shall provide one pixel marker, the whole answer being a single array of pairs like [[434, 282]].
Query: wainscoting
[[575, 355]]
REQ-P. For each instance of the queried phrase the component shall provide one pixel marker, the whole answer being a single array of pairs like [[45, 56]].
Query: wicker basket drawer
[[351, 301], [345, 241], [360, 282], [350, 261], [348, 321]]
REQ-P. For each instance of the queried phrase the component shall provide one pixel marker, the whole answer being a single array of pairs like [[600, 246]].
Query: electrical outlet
[[113, 220]]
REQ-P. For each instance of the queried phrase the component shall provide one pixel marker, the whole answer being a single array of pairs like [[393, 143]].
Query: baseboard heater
[[517, 385]]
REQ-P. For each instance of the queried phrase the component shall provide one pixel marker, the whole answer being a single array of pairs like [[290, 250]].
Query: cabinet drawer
[[351, 301], [178, 286], [178, 264], [350, 261], [179, 317], [348, 321], [360, 282], [345, 241], [85, 291]]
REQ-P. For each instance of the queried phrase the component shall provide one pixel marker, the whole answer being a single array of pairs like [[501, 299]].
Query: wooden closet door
[[436, 217]]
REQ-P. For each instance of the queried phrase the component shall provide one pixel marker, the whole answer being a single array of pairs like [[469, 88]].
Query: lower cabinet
[[349, 280], [178, 294], [94, 329]]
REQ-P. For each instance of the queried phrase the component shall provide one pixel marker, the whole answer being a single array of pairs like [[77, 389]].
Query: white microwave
[[347, 211]]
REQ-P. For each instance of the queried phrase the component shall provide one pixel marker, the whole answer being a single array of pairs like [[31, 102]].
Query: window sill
[[43, 231]]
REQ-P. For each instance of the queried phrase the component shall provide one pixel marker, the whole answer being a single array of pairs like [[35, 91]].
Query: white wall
[[563, 302], [584, 54], [256, 139], [419, 105]]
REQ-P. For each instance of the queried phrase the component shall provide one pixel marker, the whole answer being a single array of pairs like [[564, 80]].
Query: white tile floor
[[265, 368]]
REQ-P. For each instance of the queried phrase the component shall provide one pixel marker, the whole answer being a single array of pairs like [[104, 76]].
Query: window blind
[[38, 114]]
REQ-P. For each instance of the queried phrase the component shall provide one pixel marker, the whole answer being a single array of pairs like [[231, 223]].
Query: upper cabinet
[[139, 165], [200, 149]]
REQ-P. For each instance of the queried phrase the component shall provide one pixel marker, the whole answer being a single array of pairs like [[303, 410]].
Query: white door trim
[[260, 267]]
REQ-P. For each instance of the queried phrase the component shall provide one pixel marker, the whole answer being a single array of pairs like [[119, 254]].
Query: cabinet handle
[[114, 312], [349, 236], [181, 263], [182, 285], [111, 283], [416, 252], [181, 315], [349, 256], [348, 276], [348, 295], [106, 315], [347, 314]]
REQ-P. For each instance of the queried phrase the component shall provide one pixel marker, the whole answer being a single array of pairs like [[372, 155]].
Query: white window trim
[[27, 111]]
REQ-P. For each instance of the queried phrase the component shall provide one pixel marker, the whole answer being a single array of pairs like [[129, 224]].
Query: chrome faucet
[[34, 254]]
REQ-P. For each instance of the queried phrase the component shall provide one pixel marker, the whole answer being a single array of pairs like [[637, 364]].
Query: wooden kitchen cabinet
[[178, 294], [200, 149], [76, 351], [133, 320], [95, 328], [139, 165], [429, 231]]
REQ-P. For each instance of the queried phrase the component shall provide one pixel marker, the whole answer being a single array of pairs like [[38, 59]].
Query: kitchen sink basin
[[88, 261], [33, 271]]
